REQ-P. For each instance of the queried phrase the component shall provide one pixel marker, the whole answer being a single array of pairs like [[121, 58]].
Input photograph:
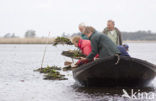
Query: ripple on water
[[18, 82]]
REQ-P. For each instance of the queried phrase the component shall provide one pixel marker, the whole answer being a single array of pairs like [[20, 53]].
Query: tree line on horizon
[[28, 34], [138, 35]]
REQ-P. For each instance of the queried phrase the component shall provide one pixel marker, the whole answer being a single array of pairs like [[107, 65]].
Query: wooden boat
[[105, 72]]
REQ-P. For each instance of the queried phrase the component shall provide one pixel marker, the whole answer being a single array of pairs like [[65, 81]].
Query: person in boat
[[124, 50], [100, 44], [84, 46], [81, 28], [113, 33]]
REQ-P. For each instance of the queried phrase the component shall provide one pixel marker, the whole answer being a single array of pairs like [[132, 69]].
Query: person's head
[[126, 47], [88, 31], [75, 40], [110, 24], [82, 27]]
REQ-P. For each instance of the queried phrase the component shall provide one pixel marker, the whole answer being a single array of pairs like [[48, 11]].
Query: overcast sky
[[58, 16]]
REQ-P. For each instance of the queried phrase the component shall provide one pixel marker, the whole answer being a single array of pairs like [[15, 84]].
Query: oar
[[45, 51]]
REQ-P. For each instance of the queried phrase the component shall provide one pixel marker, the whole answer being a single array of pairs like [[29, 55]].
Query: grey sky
[[58, 16]]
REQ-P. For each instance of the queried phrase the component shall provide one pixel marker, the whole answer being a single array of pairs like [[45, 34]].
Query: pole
[[45, 50]]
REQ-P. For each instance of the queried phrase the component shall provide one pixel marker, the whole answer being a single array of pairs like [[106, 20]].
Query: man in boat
[[82, 28], [124, 50], [113, 33], [100, 44]]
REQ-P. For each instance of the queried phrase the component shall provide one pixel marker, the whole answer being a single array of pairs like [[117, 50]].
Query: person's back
[[102, 45], [109, 47]]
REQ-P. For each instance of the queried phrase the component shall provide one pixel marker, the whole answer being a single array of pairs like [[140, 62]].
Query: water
[[18, 81]]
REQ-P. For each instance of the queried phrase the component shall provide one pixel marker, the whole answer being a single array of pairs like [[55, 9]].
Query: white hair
[[82, 25]]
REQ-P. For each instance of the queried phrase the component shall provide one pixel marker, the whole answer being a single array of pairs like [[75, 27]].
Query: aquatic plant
[[73, 54], [62, 40], [54, 75], [48, 69], [51, 73]]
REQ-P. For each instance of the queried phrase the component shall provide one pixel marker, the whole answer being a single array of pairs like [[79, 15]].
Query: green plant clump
[[73, 54], [51, 73], [62, 40], [54, 75], [48, 69]]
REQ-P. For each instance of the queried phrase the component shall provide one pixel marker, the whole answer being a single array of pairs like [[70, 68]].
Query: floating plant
[[51, 73]]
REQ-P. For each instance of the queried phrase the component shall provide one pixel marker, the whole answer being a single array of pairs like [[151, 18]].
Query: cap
[[126, 46]]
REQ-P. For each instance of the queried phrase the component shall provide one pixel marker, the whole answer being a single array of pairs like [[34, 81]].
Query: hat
[[126, 46]]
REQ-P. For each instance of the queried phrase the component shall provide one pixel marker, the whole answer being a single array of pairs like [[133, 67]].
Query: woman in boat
[[84, 46]]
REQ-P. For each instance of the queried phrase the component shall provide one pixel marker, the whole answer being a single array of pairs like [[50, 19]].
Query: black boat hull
[[104, 72]]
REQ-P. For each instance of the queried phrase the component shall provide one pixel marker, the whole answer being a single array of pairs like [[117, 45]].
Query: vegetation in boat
[[62, 40]]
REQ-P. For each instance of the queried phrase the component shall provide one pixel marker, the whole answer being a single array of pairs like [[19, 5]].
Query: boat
[[115, 71]]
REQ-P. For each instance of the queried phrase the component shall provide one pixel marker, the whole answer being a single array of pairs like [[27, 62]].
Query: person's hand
[[66, 63], [96, 59], [73, 65], [83, 59]]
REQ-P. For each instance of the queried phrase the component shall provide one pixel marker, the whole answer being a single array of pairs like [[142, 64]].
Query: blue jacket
[[123, 51]]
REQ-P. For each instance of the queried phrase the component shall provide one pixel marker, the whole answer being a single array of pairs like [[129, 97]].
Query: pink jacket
[[85, 46]]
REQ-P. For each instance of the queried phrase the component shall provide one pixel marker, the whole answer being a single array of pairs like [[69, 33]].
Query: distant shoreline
[[139, 41], [26, 40], [51, 40]]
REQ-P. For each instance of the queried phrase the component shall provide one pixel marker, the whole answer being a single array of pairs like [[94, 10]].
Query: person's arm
[[119, 36], [94, 45], [105, 31]]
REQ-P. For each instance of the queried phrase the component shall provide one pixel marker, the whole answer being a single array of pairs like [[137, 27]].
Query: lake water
[[18, 81]]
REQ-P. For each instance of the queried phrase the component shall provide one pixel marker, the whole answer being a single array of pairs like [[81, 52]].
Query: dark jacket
[[105, 31], [102, 45], [123, 51], [84, 37]]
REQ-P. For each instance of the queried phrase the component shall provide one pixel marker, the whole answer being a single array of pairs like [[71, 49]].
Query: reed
[[26, 40]]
